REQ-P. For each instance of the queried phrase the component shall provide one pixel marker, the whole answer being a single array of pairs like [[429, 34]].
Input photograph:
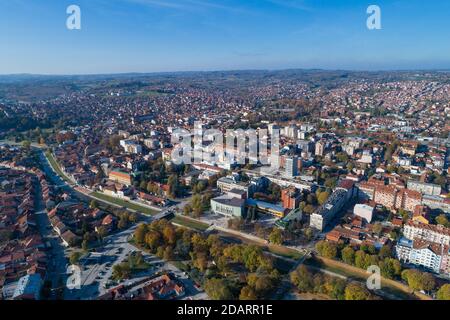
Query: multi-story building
[[425, 188], [428, 232], [320, 148], [227, 206], [291, 166], [433, 256], [290, 197], [226, 184], [391, 196], [120, 177], [322, 217]]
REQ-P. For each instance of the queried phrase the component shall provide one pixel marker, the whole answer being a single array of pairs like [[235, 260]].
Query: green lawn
[[56, 167], [124, 203], [285, 252], [200, 226]]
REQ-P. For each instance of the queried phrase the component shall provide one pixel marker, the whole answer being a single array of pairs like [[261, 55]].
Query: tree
[[348, 255], [93, 204], [377, 228], [197, 205], [419, 280], [173, 186], [168, 253], [123, 223], [326, 249], [276, 236], [322, 197], [140, 232], [75, 257], [121, 271], [218, 289], [442, 220], [187, 210], [102, 232], [169, 234], [390, 268], [85, 245], [362, 260], [354, 291], [427, 281], [385, 252], [247, 293], [26, 144], [152, 239], [302, 279], [444, 292]]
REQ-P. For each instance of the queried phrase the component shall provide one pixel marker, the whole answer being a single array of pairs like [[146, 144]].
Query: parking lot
[[96, 271]]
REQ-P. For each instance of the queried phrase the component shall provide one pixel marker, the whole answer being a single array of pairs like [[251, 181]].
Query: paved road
[[57, 268]]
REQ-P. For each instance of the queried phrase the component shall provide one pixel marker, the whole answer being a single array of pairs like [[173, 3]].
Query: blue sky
[[180, 35]]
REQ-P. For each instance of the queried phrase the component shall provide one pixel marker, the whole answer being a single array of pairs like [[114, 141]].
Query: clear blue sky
[[177, 35]]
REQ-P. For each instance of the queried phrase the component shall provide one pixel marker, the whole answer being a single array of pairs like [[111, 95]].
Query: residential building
[[432, 233], [290, 197], [425, 188], [120, 177]]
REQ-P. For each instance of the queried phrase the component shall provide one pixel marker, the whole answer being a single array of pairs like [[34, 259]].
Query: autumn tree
[[218, 289], [354, 291], [444, 292], [276, 236]]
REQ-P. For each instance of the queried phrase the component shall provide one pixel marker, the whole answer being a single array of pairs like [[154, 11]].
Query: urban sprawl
[[101, 197]]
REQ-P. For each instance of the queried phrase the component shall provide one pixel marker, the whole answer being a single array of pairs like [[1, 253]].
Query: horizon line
[[223, 70]]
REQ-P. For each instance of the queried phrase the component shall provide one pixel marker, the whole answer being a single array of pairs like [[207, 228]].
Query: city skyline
[[147, 36]]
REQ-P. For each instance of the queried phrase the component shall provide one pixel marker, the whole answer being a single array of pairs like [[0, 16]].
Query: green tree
[[75, 257], [218, 289], [93, 204], [348, 255], [140, 232], [354, 291], [276, 236], [326, 249], [302, 278], [442, 220], [419, 280], [322, 197], [85, 245], [174, 187]]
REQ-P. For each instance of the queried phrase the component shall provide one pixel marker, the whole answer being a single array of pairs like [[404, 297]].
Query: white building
[[425, 188], [432, 256], [438, 234], [364, 211]]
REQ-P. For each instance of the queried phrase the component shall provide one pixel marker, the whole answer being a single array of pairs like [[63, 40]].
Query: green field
[[200, 226], [124, 203], [56, 167], [285, 252]]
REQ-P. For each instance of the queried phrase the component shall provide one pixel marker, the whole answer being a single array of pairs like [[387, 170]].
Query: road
[[56, 270]]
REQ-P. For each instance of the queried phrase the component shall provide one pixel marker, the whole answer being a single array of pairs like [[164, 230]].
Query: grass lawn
[[56, 167], [285, 252], [200, 226], [124, 203]]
